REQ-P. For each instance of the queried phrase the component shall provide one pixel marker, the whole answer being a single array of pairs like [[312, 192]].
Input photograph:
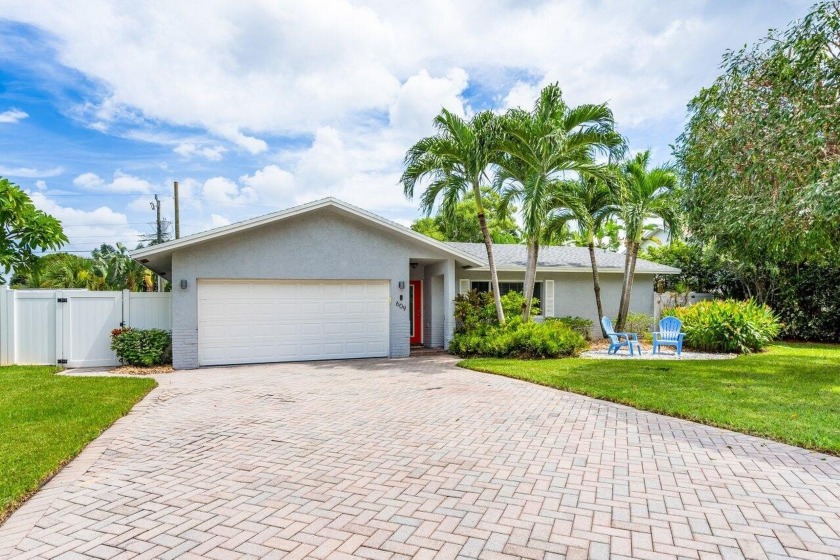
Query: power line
[[231, 202], [49, 195]]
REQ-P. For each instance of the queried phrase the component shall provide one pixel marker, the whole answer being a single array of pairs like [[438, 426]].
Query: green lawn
[[47, 419], [790, 393]]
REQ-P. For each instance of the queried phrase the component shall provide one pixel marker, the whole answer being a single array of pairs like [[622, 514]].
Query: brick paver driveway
[[401, 458]]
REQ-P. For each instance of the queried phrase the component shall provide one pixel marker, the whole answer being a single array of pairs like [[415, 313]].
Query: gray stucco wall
[[574, 294], [325, 244]]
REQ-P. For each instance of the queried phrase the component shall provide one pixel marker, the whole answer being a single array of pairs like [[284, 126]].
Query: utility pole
[[158, 232], [177, 214], [158, 227]]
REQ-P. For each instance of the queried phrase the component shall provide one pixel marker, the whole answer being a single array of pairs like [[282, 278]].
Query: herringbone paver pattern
[[415, 458]]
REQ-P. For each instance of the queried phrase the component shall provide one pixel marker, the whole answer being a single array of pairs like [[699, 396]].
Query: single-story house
[[328, 280]]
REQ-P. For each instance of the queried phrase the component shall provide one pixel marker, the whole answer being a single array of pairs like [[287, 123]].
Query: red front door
[[415, 307]]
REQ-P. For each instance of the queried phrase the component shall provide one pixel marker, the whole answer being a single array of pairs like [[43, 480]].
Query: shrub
[[136, 347], [641, 324], [808, 302], [516, 339], [580, 325], [474, 310], [727, 325]]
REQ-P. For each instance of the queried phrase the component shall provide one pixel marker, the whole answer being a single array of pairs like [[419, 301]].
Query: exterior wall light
[[183, 284]]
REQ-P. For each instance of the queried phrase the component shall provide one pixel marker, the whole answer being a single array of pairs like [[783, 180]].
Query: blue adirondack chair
[[669, 335], [616, 342]]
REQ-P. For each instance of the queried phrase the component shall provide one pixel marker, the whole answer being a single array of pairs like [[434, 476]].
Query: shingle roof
[[560, 257]]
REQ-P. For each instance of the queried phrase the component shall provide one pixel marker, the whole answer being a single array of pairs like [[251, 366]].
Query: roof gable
[[158, 257]]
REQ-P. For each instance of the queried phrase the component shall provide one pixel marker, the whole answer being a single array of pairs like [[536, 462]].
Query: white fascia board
[[573, 269], [298, 210]]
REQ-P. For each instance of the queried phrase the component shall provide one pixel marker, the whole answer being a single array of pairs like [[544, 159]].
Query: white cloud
[[121, 183], [30, 172], [13, 116], [421, 97], [218, 221], [364, 79], [87, 229], [189, 150], [40, 184]]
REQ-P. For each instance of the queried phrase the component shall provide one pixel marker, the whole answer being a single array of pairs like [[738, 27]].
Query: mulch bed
[[141, 370]]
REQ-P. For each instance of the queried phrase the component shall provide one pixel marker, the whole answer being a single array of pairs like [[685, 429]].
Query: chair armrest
[[655, 335], [681, 336], [632, 336]]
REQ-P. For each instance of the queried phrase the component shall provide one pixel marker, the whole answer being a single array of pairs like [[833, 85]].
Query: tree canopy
[[463, 224], [760, 155], [24, 230]]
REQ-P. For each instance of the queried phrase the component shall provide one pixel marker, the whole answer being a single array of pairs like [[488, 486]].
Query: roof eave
[[215, 233]]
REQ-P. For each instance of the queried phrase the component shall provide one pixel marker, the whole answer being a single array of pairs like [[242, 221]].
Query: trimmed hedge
[[516, 339], [136, 347], [727, 325]]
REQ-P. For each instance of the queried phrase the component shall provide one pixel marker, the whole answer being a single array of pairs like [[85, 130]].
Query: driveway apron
[[417, 458]]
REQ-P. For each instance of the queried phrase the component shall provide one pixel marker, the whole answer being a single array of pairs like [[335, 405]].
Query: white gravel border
[[601, 354]]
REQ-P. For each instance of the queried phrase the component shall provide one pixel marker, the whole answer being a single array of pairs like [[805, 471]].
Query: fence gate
[[84, 322], [73, 327]]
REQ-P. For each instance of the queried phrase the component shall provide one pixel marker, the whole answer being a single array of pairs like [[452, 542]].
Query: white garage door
[[247, 321]]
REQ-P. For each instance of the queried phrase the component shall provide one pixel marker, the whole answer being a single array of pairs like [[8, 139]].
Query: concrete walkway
[[416, 458]]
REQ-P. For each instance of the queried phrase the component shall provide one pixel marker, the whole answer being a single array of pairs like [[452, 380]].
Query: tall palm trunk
[[627, 287], [491, 260], [597, 283], [530, 277]]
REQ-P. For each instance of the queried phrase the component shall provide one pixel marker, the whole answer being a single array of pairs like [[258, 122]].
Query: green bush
[[474, 310], [580, 325], [136, 347], [727, 325], [551, 339], [640, 324]]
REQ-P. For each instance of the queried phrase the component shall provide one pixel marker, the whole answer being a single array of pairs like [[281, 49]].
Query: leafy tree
[[643, 194], [542, 147], [588, 203], [703, 269], [464, 225], [24, 230], [760, 155], [456, 160]]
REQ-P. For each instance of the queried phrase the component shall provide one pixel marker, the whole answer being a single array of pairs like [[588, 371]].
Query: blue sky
[[262, 105]]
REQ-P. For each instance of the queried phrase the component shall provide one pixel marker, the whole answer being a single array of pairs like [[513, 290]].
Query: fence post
[[4, 326], [126, 308]]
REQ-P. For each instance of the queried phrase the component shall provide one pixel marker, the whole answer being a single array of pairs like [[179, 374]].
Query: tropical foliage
[[464, 226], [108, 268], [727, 325], [644, 194], [588, 203], [456, 162], [580, 325], [478, 333], [543, 147], [24, 230]]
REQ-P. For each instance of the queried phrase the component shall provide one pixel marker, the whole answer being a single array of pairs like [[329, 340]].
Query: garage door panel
[[273, 321]]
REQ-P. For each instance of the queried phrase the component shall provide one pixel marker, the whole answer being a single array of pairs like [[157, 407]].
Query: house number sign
[[401, 305]]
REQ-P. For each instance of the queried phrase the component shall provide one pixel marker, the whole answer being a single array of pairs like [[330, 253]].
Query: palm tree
[[544, 146], [71, 271], [644, 194], [588, 203], [120, 271], [456, 160]]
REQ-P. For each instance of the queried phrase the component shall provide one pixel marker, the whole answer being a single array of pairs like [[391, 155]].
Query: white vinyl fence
[[73, 327]]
